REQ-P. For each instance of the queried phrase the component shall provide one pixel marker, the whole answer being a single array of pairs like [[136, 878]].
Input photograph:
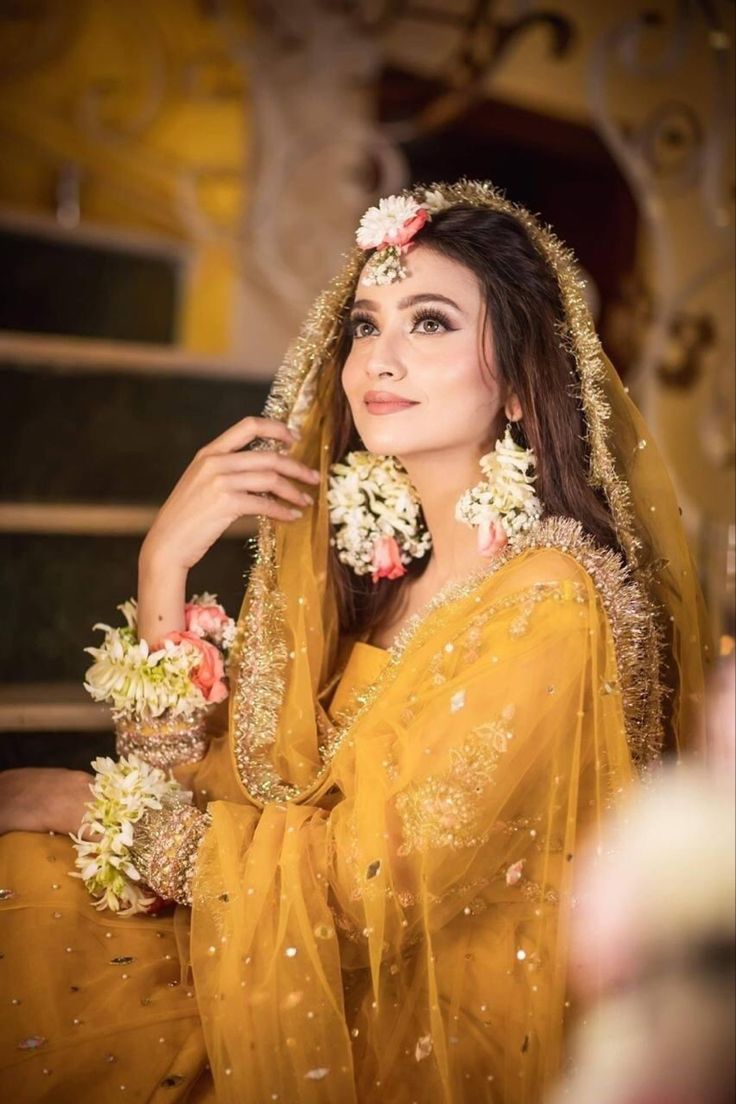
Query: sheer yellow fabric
[[409, 943]]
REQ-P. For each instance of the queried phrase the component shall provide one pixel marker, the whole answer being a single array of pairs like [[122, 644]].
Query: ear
[[512, 408]]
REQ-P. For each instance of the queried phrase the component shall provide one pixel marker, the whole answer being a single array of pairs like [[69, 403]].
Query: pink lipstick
[[384, 402]]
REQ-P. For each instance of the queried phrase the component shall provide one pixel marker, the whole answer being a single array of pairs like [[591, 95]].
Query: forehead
[[427, 272]]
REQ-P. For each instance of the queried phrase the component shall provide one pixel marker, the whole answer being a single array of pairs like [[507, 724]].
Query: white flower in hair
[[389, 222], [389, 229], [435, 201]]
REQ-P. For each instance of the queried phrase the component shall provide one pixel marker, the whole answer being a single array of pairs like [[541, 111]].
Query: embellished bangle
[[123, 792], [165, 846], [163, 742], [159, 697]]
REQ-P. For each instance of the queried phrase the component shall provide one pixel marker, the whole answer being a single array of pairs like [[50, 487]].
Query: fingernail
[[308, 500], [315, 475], [296, 513]]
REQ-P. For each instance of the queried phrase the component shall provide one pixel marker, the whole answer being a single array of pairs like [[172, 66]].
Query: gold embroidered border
[[165, 846], [634, 626]]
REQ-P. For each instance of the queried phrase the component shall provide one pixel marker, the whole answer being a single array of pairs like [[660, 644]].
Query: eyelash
[[424, 314]]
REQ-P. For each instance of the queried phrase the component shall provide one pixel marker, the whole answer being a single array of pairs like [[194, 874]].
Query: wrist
[[162, 587], [156, 563]]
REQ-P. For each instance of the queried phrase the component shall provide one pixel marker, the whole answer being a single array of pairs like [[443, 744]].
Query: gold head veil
[[288, 645]]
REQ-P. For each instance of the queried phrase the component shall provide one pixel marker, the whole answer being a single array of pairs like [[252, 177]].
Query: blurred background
[[180, 177]]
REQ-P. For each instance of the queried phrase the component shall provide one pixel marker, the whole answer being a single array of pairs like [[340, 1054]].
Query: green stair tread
[[110, 437]]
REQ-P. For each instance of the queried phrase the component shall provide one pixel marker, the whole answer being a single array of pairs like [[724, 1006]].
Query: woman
[[438, 685]]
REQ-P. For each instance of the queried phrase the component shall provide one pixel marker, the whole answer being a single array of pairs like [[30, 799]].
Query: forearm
[[161, 596]]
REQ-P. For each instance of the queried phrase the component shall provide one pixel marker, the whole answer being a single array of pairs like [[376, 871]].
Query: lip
[[384, 402]]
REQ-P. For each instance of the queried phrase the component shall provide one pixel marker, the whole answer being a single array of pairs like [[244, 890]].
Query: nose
[[385, 359]]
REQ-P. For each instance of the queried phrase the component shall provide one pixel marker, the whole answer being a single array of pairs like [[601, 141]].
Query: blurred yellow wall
[[145, 107]]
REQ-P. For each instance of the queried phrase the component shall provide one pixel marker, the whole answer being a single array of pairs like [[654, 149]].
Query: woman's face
[[420, 376]]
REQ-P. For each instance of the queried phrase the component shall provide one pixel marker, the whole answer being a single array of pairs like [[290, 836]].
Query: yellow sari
[[381, 899]]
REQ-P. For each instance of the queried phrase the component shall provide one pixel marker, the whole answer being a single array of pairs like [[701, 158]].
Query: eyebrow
[[408, 301]]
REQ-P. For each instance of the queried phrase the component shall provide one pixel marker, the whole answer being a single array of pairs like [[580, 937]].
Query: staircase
[[96, 433]]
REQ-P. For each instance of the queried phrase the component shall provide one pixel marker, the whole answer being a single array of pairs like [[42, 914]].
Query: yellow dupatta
[[411, 941], [381, 903]]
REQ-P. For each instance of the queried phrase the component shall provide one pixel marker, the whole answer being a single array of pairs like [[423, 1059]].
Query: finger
[[268, 507], [246, 430], [271, 483], [261, 461]]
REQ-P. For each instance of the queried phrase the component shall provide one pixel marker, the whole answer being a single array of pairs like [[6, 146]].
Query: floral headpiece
[[389, 229]]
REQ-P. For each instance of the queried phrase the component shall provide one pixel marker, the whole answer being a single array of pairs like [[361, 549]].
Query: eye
[[430, 322], [362, 326]]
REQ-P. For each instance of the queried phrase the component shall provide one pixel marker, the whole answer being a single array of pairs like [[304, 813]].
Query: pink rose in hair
[[205, 620], [402, 237], [386, 560], [491, 538], [209, 674]]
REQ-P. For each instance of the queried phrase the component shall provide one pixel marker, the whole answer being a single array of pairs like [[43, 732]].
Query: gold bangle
[[162, 741]]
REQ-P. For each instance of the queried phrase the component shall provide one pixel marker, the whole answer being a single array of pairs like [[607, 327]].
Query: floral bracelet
[[123, 793], [179, 679]]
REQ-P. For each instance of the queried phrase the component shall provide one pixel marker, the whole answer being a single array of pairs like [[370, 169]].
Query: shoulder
[[558, 560], [558, 550], [559, 553]]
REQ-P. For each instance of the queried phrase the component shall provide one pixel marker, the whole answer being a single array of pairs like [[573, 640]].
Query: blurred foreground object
[[654, 934]]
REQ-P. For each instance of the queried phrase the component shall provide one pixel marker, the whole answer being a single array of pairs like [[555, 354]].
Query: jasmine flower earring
[[503, 505]]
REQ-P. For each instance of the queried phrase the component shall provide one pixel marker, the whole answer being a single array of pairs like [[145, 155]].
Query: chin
[[385, 444], [389, 440]]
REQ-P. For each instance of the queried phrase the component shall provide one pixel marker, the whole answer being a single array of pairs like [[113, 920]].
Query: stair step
[[55, 587], [51, 707], [98, 438], [92, 520], [80, 356]]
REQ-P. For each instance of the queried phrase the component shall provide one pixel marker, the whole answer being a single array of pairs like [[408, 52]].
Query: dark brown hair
[[526, 317]]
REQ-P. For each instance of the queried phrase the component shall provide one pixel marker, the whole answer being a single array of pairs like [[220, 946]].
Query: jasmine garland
[[123, 792], [180, 678]]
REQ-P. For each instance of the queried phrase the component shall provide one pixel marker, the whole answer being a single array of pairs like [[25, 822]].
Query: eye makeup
[[423, 314]]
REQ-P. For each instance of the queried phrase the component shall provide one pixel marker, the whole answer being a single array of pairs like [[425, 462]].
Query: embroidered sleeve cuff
[[164, 851]]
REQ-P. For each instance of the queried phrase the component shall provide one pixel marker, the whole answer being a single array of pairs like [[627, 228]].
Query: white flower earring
[[375, 513], [503, 505]]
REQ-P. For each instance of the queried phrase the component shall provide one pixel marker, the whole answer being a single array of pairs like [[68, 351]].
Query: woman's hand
[[222, 484], [43, 799]]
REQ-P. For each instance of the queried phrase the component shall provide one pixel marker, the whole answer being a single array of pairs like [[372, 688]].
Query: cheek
[[459, 372], [349, 375], [350, 379]]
